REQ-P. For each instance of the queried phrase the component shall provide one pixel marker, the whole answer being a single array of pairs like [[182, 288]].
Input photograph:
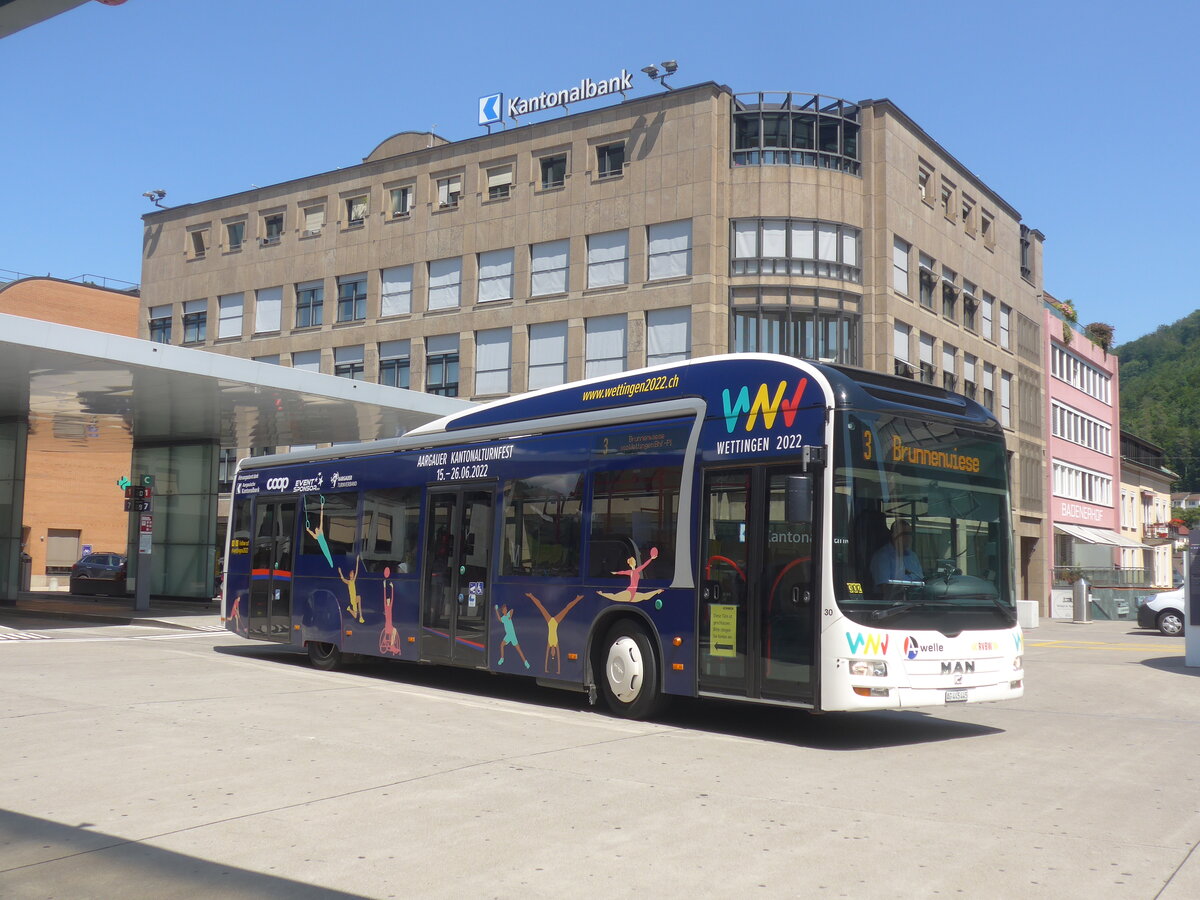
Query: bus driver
[[895, 561]]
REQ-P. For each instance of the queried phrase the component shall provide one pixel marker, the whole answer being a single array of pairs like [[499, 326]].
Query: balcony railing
[[1111, 576]]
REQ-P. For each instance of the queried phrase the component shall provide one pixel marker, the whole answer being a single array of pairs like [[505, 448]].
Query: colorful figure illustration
[[318, 533], [355, 607], [504, 614], [389, 638], [552, 623], [235, 614], [631, 595]]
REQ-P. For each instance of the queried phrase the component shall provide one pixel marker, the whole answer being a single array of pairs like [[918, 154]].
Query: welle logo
[[765, 403]]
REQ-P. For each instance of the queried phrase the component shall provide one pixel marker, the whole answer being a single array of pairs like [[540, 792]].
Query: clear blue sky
[[1081, 115]]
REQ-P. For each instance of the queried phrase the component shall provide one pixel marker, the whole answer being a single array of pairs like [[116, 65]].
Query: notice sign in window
[[722, 636]]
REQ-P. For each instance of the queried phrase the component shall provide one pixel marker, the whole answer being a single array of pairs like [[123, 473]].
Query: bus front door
[[456, 599], [757, 587], [272, 556]]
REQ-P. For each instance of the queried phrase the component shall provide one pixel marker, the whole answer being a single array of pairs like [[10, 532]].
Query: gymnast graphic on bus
[[631, 594]]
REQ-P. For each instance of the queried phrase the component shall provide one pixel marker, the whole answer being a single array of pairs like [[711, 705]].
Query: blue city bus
[[748, 527]]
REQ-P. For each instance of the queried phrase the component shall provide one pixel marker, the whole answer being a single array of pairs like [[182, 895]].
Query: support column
[[184, 501], [14, 434]]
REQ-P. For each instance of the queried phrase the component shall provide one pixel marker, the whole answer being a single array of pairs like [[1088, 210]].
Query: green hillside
[[1160, 394]]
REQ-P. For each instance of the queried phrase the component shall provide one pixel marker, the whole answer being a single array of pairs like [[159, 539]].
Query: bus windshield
[[921, 529]]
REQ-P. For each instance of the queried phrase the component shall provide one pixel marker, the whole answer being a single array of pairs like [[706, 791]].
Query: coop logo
[[871, 644], [310, 484], [765, 403], [337, 480], [490, 109], [912, 647], [278, 484]]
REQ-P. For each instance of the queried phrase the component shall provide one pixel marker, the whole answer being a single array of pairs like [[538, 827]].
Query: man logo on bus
[[765, 403]]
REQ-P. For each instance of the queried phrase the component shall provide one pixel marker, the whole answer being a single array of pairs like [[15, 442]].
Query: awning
[[1099, 536]]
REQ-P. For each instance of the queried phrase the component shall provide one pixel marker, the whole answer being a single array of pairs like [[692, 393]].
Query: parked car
[[99, 573], [1165, 611]]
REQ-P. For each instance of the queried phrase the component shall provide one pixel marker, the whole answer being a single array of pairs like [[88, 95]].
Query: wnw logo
[[765, 403], [874, 643]]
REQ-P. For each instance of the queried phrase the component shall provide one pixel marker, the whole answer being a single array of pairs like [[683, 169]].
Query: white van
[[1166, 611]]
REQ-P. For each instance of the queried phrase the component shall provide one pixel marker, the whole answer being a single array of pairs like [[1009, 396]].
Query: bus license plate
[[956, 696]]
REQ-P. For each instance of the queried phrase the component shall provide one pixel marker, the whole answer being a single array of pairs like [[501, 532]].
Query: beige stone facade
[[695, 221]]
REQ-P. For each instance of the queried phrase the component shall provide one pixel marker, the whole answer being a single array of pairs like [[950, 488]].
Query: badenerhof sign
[[492, 108]]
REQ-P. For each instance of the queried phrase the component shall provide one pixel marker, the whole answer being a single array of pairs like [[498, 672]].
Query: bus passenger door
[[272, 557], [757, 632], [456, 595]]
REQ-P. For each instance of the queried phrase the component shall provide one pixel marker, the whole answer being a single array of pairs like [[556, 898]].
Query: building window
[[604, 346], [554, 170], [900, 252], [797, 322], [1026, 254], [610, 159], [986, 231], [547, 355], [195, 321], [495, 275], [949, 293], [445, 283], [928, 278], [549, 267], [348, 362], [226, 468], [1079, 428], [310, 304], [949, 381], [307, 360], [272, 228], [267, 305], [928, 372], [901, 337], [608, 259], [970, 304], [669, 250], [949, 210], [1005, 326], [160, 324], [441, 365], [796, 247], [352, 298], [668, 335], [968, 215], [499, 182], [199, 242], [394, 363], [924, 174], [493, 361], [314, 219], [795, 129], [1080, 375], [989, 386], [229, 316], [401, 201], [987, 311], [1006, 399], [969, 384], [356, 210], [1077, 483], [449, 191], [235, 233], [396, 298]]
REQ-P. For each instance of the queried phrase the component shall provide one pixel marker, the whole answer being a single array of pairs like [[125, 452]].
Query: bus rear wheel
[[324, 656], [630, 678]]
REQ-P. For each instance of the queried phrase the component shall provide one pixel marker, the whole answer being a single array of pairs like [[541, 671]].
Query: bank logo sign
[[491, 109]]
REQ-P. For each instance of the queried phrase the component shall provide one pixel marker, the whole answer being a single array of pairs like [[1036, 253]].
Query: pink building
[[1084, 469]]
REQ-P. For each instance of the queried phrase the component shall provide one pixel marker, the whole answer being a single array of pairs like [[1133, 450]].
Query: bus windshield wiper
[[908, 606]]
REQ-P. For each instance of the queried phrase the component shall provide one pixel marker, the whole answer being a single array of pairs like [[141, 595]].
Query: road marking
[[105, 640], [23, 636], [1096, 645]]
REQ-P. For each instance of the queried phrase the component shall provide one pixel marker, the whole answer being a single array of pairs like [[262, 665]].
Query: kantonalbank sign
[[492, 108]]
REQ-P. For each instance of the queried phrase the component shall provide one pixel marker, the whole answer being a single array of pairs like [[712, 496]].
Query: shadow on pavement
[[830, 731], [48, 859], [1174, 664]]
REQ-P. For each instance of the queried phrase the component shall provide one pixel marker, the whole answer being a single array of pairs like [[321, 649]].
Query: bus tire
[[324, 656], [629, 676]]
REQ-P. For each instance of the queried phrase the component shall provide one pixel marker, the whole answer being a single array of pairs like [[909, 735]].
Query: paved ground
[[163, 759]]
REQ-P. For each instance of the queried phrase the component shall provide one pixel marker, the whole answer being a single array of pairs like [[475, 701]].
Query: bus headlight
[[868, 667]]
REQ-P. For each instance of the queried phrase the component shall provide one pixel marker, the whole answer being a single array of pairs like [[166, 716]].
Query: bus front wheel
[[630, 678], [324, 656]]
